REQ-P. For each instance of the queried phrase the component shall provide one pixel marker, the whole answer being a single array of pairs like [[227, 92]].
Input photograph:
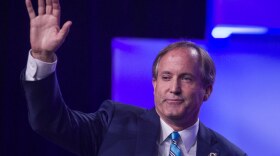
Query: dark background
[[84, 67]]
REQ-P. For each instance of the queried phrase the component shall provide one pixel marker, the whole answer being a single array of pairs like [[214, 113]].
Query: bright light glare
[[223, 31]]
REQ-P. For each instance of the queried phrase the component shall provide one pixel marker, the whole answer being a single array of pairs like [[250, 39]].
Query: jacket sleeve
[[49, 116]]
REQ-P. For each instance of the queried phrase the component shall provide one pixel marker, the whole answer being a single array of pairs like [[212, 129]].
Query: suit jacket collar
[[206, 142], [148, 134], [149, 131]]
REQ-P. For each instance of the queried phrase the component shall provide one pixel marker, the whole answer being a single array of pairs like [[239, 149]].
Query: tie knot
[[175, 136]]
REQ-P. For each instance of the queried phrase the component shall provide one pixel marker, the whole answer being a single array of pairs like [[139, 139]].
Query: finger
[[56, 9], [48, 6], [30, 9], [41, 7], [64, 30]]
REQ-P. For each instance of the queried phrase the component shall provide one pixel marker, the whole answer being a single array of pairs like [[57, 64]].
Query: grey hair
[[207, 66]]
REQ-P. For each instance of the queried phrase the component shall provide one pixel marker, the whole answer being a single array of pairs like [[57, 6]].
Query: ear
[[208, 91]]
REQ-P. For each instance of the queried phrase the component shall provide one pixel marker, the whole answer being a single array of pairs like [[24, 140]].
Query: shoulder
[[227, 145], [121, 107], [218, 142], [111, 110]]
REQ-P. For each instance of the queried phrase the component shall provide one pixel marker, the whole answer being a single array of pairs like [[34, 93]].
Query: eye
[[187, 78], [165, 77]]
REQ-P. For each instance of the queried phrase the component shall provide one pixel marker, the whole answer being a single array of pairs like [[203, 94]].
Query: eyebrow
[[182, 74], [165, 72]]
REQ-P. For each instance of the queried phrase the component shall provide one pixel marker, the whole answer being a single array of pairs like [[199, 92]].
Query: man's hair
[[207, 66]]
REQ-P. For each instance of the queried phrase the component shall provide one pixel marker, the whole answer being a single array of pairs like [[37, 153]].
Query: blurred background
[[109, 52]]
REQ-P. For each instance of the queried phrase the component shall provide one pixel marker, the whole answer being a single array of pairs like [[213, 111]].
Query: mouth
[[174, 101]]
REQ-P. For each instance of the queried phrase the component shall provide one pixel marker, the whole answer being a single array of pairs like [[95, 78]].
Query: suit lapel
[[149, 130], [148, 134], [206, 142]]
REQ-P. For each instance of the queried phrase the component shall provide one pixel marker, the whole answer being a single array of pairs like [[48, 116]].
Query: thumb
[[64, 30]]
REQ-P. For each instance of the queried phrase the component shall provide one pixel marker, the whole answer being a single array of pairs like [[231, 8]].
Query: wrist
[[43, 56]]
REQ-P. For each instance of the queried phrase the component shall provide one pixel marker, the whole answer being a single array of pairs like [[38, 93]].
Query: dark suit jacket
[[115, 129]]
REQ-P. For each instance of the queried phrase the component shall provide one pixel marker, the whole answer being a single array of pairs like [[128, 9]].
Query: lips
[[174, 101]]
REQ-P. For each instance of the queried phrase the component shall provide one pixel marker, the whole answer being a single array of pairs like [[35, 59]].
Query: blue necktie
[[174, 148]]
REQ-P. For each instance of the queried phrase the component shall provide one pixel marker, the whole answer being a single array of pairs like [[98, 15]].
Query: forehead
[[180, 61]]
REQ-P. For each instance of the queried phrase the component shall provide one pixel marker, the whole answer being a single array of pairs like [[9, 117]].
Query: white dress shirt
[[37, 70], [187, 143]]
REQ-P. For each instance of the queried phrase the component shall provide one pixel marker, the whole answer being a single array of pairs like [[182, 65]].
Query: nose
[[175, 87]]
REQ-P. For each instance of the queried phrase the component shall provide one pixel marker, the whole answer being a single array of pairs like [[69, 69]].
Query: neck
[[179, 125]]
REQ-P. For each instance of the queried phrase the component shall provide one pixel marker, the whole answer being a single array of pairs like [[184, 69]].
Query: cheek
[[157, 95], [158, 91], [194, 98]]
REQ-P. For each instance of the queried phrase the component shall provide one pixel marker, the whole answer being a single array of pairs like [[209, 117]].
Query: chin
[[174, 116]]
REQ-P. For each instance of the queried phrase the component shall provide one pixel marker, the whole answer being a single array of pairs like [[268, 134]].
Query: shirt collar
[[188, 135]]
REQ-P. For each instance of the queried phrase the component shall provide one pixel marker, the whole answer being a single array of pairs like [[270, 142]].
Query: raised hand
[[46, 36]]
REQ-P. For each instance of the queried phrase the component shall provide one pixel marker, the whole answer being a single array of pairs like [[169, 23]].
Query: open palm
[[45, 33]]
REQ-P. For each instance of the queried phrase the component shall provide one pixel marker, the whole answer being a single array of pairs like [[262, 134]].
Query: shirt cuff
[[37, 69]]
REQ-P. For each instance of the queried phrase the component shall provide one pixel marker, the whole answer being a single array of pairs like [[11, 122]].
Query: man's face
[[178, 89]]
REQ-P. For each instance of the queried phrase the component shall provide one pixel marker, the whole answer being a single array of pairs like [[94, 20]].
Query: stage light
[[225, 31]]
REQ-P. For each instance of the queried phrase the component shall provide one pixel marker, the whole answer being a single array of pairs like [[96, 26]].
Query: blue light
[[224, 31]]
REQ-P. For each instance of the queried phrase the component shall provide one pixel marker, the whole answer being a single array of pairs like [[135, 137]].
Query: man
[[183, 78]]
